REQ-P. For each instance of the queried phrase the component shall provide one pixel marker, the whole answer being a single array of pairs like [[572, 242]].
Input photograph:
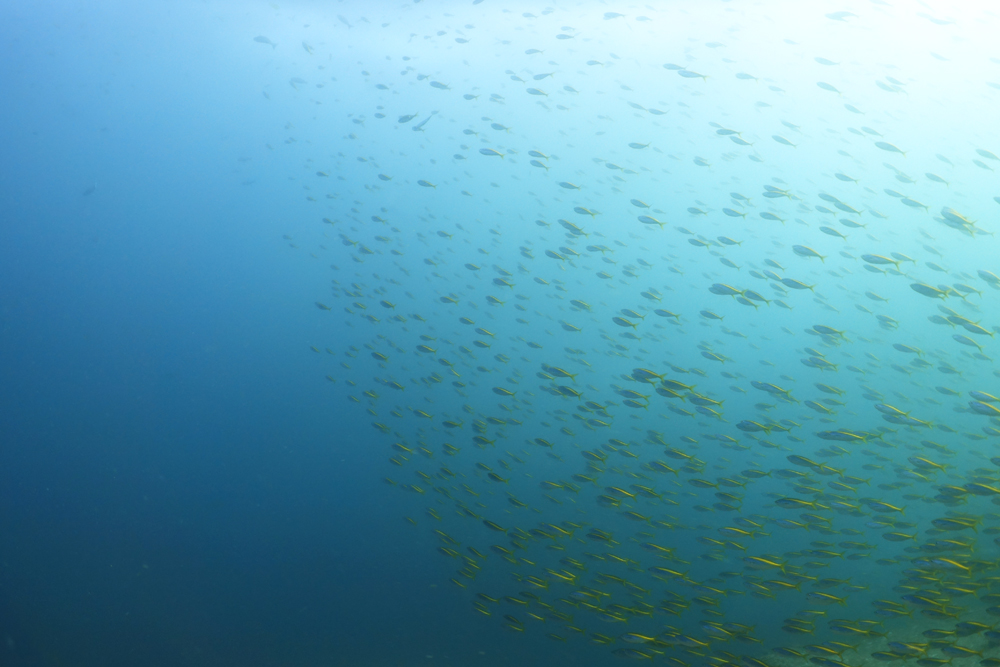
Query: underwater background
[[499, 333]]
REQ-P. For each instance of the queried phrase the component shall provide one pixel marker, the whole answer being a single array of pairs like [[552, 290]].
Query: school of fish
[[675, 357]]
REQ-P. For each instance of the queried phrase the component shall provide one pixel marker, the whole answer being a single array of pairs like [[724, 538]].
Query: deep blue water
[[181, 483]]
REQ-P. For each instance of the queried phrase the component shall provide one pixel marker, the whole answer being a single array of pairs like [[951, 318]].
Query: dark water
[[184, 481]]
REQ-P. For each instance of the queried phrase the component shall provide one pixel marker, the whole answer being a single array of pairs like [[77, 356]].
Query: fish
[[595, 426], [888, 147]]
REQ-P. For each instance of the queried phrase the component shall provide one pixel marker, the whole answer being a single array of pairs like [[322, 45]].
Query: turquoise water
[[488, 333]]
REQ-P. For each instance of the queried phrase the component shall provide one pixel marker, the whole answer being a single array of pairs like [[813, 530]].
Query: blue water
[[199, 466]]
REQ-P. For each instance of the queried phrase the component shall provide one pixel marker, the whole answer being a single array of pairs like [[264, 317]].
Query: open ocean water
[[488, 333]]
